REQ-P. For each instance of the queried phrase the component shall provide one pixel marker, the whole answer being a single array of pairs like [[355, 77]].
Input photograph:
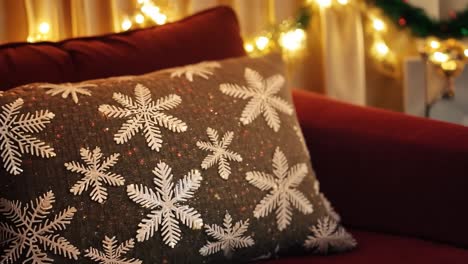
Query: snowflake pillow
[[202, 163]]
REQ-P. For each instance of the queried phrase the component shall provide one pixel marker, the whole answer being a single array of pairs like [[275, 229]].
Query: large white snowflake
[[32, 233], [112, 253], [67, 89], [283, 194], [15, 138], [95, 173], [202, 69], [167, 204], [263, 99], [221, 154], [229, 237], [328, 236], [144, 114]]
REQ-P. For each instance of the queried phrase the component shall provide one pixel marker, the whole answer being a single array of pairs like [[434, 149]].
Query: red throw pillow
[[210, 35]]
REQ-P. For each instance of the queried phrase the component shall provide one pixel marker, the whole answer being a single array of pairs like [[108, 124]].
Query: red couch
[[400, 183]]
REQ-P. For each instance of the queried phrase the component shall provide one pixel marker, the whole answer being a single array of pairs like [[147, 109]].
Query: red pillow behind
[[210, 35]]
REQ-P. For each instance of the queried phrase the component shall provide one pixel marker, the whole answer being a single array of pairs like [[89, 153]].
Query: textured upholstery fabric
[[389, 172], [176, 152], [386, 249], [209, 35]]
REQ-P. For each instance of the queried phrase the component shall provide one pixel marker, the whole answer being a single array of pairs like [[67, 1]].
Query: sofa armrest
[[388, 172]]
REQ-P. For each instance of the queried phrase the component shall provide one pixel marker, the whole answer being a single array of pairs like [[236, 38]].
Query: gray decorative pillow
[[202, 163]]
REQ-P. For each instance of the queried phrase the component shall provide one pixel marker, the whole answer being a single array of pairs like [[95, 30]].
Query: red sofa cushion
[[386, 249], [389, 172], [209, 35]]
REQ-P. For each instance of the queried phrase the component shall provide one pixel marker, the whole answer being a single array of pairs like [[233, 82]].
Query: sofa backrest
[[210, 35]]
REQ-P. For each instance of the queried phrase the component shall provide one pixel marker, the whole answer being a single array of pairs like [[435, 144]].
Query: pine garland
[[405, 15], [420, 24]]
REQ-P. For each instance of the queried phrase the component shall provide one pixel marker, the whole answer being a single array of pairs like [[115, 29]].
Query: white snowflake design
[[283, 192], [144, 113], [95, 174], [327, 236], [263, 99], [221, 154], [166, 204], [67, 89], [15, 138], [229, 237], [31, 230], [112, 253], [202, 69]]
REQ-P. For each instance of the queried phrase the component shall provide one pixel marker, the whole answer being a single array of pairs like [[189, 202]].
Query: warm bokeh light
[[262, 42], [434, 44], [154, 12], [126, 24], [440, 57], [378, 24], [160, 19], [343, 2], [249, 47], [139, 19], [44, 28], [150, 9], [293, 40], [466, 52], [449, 66], [324, 3], [381, 48]]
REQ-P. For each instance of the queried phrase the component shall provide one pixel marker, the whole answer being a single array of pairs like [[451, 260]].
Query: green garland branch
[[416, 19]]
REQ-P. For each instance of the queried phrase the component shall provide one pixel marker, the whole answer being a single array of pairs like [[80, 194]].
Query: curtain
[[70, 18], [21, 20], [335, 62], [344, 53]]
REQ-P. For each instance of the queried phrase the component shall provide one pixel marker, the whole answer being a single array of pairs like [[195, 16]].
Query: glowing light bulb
[[139, 19], [381, 48], [449, 66], [378, 24], [434, 44], [150, 9], [249, 47], [160, 19], [262, 42], [343, 2], [440, 57], [44, 28], [466, 52], [324, 3], [293, 39], [126, 24]]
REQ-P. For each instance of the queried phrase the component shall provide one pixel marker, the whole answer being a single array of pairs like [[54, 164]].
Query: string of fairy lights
[[290, 36], [147, 14]]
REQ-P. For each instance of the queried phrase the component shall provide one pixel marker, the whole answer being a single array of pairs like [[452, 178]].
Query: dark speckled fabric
[[119, 136]]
